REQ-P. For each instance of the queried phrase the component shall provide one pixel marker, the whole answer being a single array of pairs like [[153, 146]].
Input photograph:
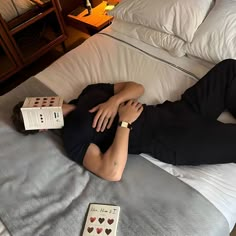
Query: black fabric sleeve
[[78, 133], [106, 88]]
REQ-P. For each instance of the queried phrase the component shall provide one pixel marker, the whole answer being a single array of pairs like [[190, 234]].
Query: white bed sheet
[[103, 59]]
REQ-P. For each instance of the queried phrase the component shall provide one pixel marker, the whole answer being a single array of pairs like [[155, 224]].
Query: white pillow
[[171, 43], [177, 17], [215, 40], [23, 5], [9, 9]]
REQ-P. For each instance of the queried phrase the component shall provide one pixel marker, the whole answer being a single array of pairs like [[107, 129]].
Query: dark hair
[[18, 121]]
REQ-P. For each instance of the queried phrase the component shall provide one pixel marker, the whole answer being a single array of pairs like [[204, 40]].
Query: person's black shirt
[[145, 136]]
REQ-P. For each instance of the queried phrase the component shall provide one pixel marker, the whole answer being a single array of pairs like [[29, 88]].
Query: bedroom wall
[[69, 5]]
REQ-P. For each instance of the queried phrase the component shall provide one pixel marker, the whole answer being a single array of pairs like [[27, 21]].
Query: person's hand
[[105, 115], [130, 111]]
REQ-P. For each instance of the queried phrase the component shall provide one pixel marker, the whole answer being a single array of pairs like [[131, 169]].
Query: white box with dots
[[42, 113]]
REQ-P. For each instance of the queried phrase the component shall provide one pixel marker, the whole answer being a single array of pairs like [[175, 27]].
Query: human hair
[[18, 121]]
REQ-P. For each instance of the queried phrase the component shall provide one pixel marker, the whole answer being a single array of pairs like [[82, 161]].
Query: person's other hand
[[130, 111], [105, 114]]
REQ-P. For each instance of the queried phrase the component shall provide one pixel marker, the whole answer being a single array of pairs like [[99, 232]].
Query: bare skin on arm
[[110, 165], [106, 112]]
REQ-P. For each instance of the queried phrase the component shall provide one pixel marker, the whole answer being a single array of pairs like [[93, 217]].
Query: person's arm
[[110, 165], [106, 112]]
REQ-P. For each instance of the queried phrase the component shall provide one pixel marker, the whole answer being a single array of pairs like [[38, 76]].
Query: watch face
[[125, 124]]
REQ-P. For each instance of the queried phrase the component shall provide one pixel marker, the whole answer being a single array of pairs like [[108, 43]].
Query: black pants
[[215, 92], [202, 139]]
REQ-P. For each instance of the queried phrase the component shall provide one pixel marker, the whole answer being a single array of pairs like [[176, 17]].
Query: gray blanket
[[42, 193]]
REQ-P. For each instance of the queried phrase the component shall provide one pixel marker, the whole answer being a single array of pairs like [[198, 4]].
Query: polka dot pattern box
[[42, 113]]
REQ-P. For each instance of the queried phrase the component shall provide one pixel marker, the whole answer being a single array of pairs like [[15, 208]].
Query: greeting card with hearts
[[102, 220]]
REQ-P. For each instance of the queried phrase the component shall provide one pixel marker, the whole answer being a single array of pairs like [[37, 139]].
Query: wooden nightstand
[[94, 22]]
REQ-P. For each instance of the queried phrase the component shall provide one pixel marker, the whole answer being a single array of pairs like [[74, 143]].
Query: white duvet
[[105, 59]]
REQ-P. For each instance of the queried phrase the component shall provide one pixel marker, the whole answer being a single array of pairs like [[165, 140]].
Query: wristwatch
[[125, 124]]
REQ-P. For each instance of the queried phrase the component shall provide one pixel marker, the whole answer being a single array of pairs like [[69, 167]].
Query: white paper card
[[42, 113], [102, 220]]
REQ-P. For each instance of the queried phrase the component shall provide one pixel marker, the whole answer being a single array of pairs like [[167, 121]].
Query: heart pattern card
[[102, 220]]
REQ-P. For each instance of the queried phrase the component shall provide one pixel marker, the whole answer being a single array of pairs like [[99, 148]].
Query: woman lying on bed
[[106, 122]]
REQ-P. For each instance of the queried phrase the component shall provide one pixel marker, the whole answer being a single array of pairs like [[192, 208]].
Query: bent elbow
[[113, 176], [116, 178]]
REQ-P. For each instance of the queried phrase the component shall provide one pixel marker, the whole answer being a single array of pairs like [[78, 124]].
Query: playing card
[[101, 220]]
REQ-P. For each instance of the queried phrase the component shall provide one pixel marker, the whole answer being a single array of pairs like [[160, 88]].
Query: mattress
[[111, 57], [10, 9]]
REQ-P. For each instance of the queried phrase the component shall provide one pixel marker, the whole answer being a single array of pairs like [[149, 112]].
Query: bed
[[42, 192]]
